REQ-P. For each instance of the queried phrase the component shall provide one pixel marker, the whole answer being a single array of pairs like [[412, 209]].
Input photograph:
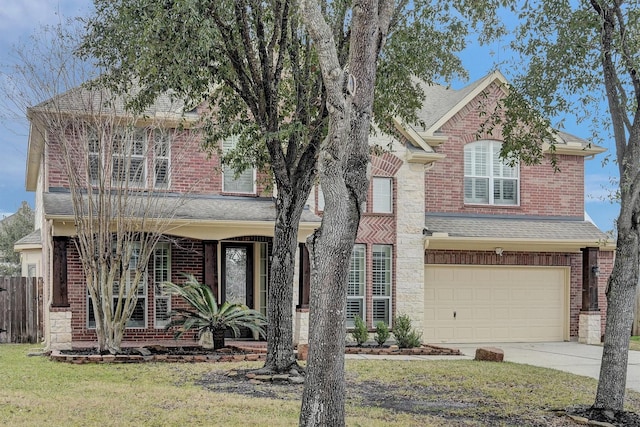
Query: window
[[128, 156], [487, 178], [243, 182], [94, 156], [381, 283], [161, 273], [382, 195], [138, 318], [162, 150], [31, 270], [356, 285]]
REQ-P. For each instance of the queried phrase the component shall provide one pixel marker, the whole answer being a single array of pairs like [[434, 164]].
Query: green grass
[[35, 391], [634, 344]]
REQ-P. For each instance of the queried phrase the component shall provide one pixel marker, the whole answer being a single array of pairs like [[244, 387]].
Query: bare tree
[[112, 166]]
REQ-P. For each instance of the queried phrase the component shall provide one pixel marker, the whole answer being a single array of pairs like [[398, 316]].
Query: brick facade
[[417, 188], [187, 258], [192, 170], [543, 191]]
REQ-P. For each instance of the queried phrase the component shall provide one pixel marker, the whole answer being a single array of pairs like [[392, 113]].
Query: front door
[[237, 273]]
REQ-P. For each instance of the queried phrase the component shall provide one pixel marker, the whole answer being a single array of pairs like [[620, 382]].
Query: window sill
[[482, 205]]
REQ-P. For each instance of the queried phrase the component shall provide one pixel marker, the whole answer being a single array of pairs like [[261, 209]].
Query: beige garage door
[[499, 304]]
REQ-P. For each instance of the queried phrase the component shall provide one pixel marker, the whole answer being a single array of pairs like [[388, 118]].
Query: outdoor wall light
[[595, 270], [499, 251]]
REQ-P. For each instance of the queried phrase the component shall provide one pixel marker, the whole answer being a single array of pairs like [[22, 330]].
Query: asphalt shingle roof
[[32, 238], [497, 227], [195, 208]]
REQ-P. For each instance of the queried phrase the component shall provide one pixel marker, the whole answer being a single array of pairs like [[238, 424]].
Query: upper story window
[[245, 181], [487, 178], [162, 157], [128, 156], [382, 195], [125, 153]]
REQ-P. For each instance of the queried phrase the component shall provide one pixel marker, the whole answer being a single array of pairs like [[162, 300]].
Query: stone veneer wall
[[59, 329], [409, 277]]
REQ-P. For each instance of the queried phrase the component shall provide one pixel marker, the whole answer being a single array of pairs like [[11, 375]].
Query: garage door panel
[[495, 303]]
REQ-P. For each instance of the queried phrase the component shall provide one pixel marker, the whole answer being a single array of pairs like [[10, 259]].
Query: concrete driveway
[[580, 359]]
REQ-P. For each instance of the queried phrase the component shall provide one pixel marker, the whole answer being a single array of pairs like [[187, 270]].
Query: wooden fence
[[20, 309]]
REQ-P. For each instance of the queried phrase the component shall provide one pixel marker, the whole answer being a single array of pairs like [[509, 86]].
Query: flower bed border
[[252, 353]]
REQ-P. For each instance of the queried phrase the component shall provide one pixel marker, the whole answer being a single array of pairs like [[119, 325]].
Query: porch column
[[59, 330], [590, 320], [210, 266], [60, 294], [301, 329]]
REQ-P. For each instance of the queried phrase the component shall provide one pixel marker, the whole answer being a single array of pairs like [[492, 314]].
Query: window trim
[[157, 289], [362, 298], [228, 145], [492, 157], [387, 198], [123, 136], [158, 136], [388, 273]]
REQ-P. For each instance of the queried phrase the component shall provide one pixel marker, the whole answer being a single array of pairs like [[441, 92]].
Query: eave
[[64, 225], [573, 149], [444, 242]]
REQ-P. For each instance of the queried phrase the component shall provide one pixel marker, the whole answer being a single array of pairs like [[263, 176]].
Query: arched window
[[487, 178]]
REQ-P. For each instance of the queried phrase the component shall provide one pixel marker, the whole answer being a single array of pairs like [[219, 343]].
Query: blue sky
[[20, 18]]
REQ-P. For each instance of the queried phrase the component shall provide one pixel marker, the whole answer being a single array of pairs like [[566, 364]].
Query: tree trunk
[[343, 170], [280, 355], [621, 296]]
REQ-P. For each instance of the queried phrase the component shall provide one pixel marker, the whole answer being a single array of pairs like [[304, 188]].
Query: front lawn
[[35, 391]]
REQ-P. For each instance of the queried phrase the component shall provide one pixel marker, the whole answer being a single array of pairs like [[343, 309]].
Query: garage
[[495, 303]]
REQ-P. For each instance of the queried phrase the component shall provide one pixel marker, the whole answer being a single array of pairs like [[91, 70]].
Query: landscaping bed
[[232, 353], [157, 353], [393, 350]]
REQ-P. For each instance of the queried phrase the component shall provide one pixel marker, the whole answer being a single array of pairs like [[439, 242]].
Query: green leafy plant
[[406, 336], [207, 317], [382, 333], [360, 332]]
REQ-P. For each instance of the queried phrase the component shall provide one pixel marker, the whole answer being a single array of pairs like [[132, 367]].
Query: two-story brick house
[[485, 251], [469, 248]]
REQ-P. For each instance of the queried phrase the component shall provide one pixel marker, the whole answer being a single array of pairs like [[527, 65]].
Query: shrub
[[382, 333], [210, 320], [360, 332], [406, 336]]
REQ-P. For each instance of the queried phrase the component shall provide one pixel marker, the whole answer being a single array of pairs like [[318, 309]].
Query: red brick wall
[[379, 229], [186, 259], [572, 260], [542, 191], [192, 170]]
